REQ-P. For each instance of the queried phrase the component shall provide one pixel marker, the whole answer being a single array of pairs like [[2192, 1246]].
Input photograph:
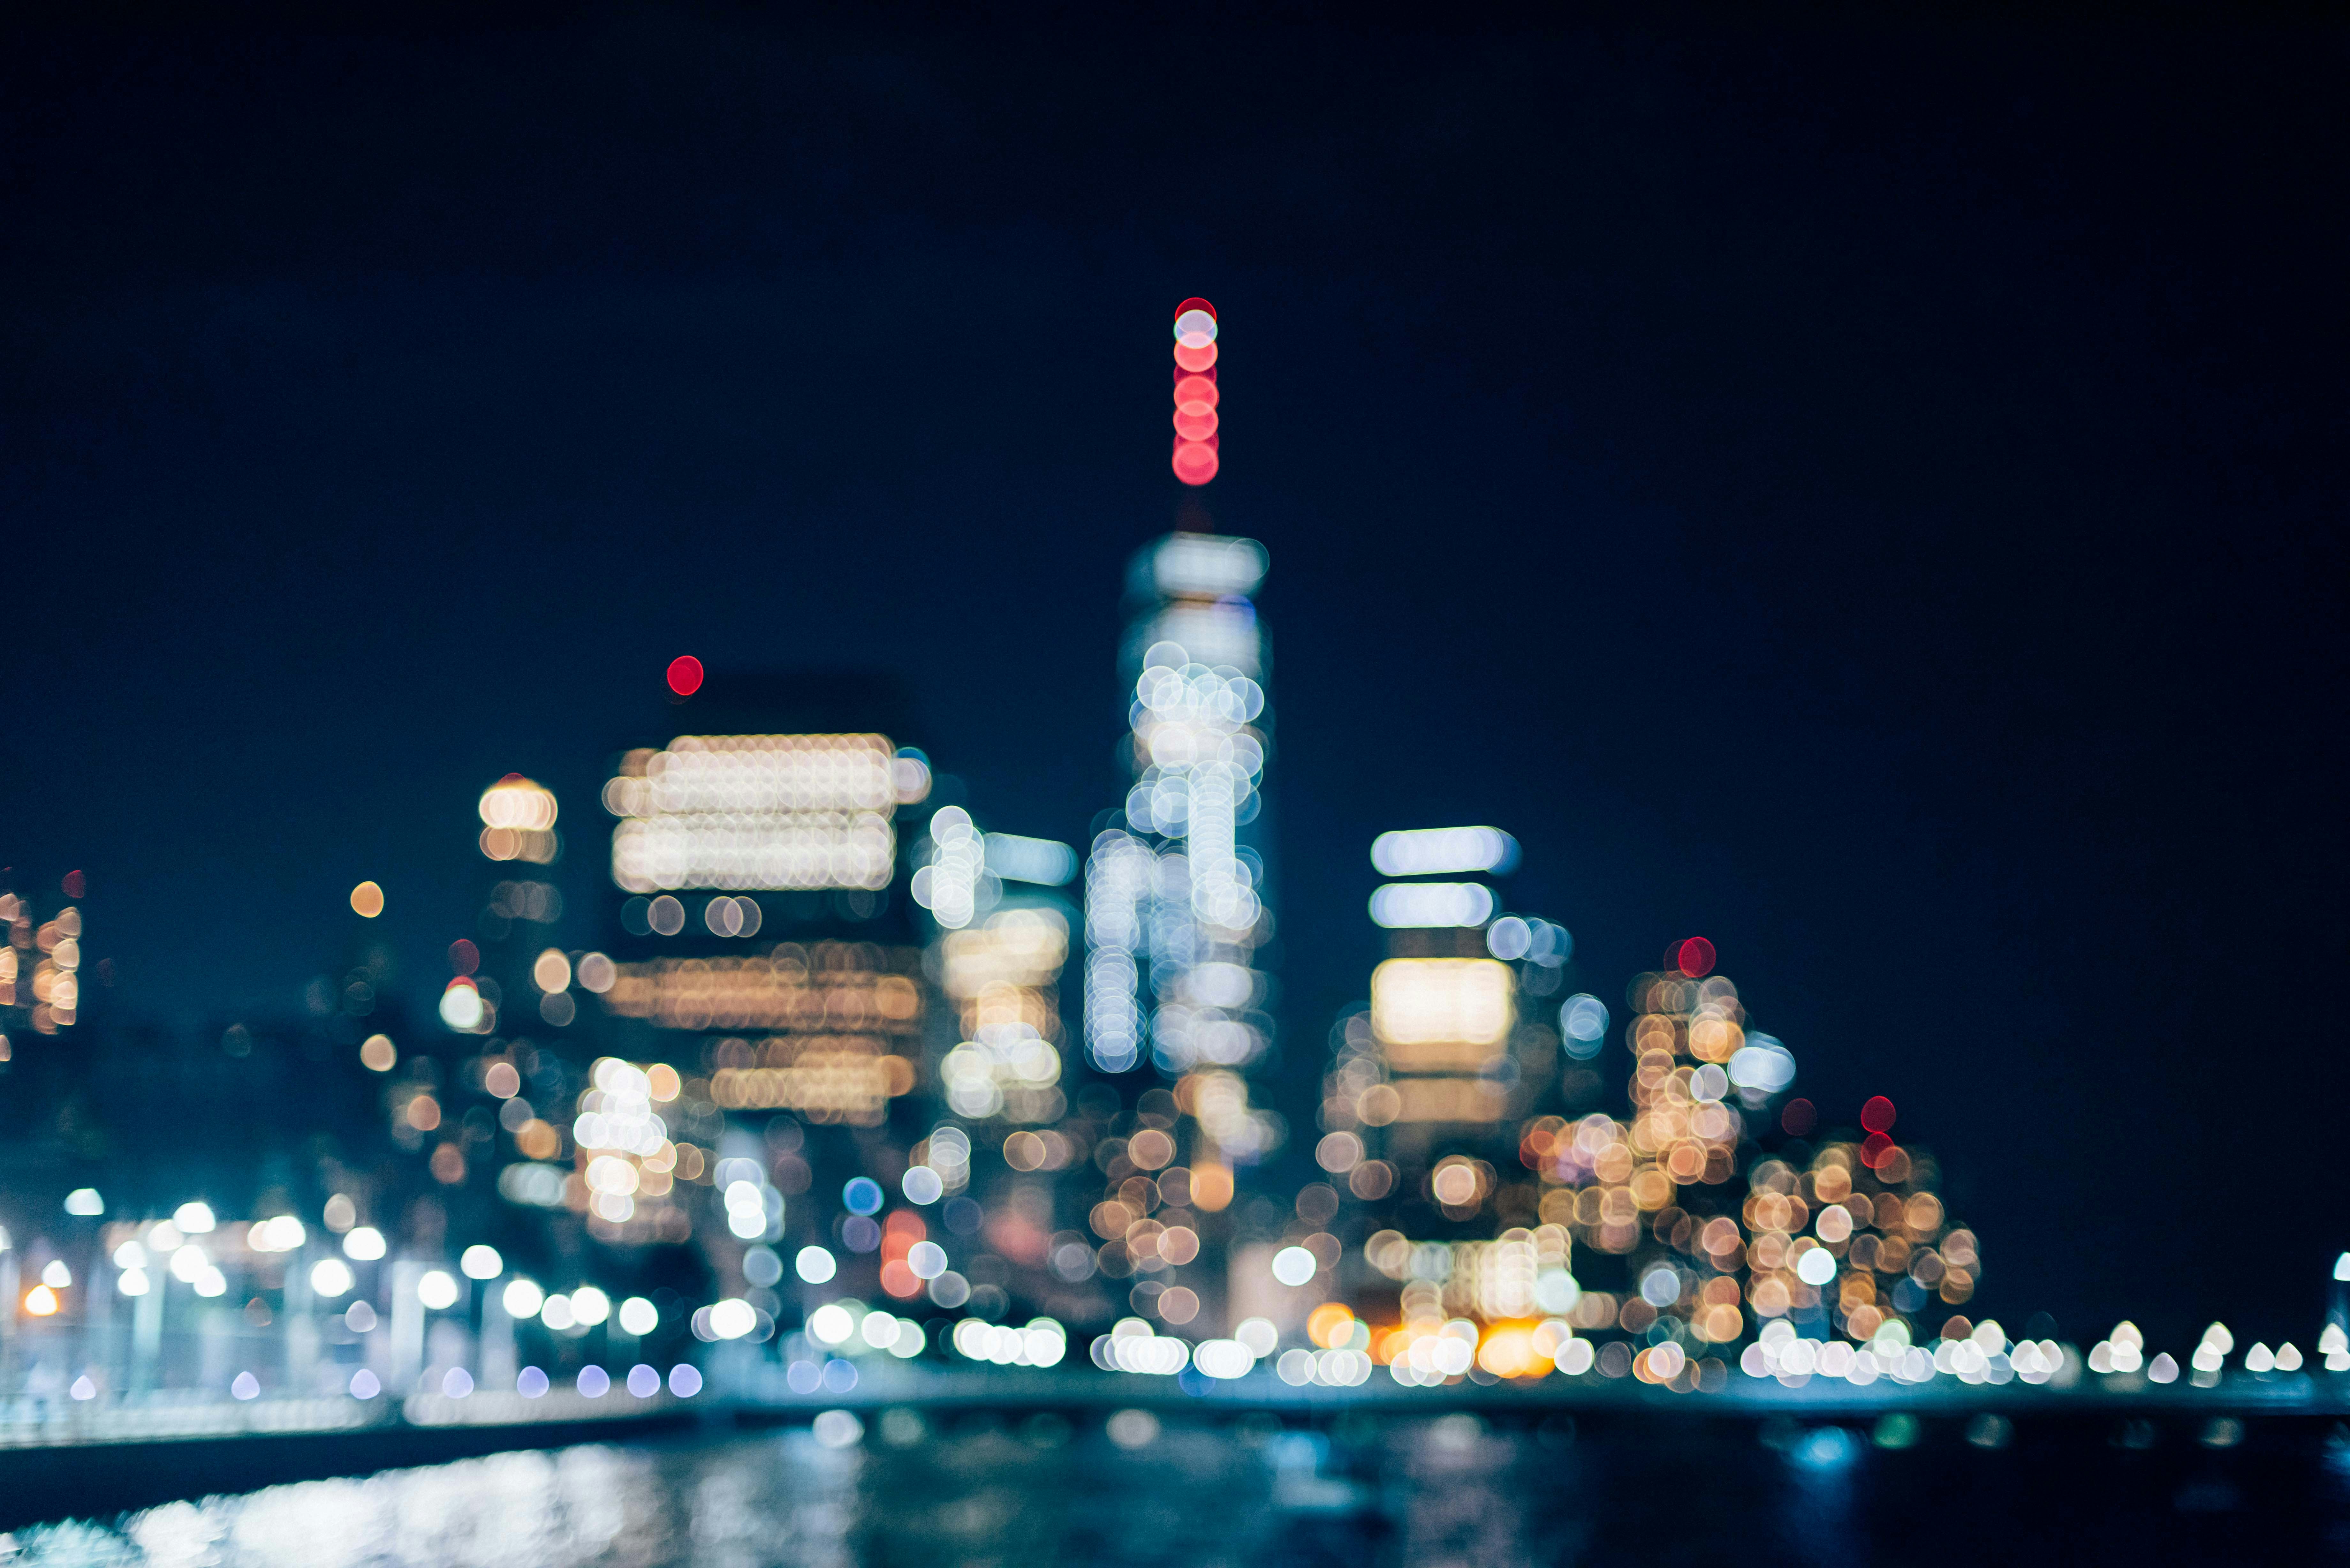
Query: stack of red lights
[[1195, 391]]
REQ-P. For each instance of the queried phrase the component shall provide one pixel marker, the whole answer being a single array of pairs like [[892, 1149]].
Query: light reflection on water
[[1448, 1491]]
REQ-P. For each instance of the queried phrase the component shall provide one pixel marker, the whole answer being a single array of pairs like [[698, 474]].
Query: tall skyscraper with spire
[[1176, 897]]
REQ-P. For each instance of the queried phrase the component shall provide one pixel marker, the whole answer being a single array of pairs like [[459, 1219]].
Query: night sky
[[1871, 497]]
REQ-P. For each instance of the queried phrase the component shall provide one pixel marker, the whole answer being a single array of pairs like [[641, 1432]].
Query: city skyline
[[887, 785], [585, 858], [1783, 549]]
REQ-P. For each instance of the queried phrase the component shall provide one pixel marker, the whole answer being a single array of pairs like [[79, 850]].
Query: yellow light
[[517, 802], [1437, 1100], [1331, 1325], [829, 1085], [1212, 1187], [1509, 1352], [41, 1301], [519, 821], [1443, 1003], [366, 900], [833, 990], [552, 972], [377, 1054]]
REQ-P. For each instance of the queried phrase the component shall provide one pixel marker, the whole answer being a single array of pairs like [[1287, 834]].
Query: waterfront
[[1046, 1487]]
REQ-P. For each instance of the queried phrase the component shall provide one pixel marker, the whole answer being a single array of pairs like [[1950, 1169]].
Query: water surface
[[1444, 1490]]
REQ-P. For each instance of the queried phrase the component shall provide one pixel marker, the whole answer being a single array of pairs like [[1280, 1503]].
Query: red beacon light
[[685, 675], [1195, 459]]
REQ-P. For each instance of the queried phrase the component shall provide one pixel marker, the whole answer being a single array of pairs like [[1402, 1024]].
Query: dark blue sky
[[1870, 497]]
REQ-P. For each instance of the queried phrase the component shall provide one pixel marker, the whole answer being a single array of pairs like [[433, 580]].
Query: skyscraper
[[1176, 891], [764, 946]]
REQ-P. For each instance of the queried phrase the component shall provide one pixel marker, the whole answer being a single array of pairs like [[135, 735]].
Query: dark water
[[1451, 1489]]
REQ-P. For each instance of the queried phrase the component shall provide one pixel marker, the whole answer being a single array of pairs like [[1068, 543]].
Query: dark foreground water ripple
[[1447, 1490]]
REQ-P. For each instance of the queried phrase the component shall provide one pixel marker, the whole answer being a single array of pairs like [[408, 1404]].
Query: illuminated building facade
[[1175, 912], [1436, 1118], [766, 1027], [1003, 932], [1712, 1222], [1175, 895], [1422, 1081], [1723, 1236]]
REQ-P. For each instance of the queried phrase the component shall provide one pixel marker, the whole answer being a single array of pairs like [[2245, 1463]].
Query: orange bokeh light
[[1330, 1326]]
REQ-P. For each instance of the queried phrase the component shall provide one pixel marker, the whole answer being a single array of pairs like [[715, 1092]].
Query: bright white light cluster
[[282, 1234], [733, 1318], [754, 1211], [1581, 1025], [1435, 851], [1294, 1266], [945, 1167], [1404, 904], [624, 1122], [516, 802], [747, 812], [1203, 565], [2124, 1350], [1192, 724], [1039, 860], [1224, 635], [954, 884], [1327, 1368], [463, 1008], [1131, 1346], [1539, 942], [1119, 874], [617, 1118], [1043, 1343], [758, 775], [518, 820], [1176, 890], [1219, 1100], [1223, 1358], [1985, 1356], [582, 1310], [1004, 976], [1442, 1001], [1761, 1068], [901, 1336], [188, 1261], [1430, 1359], [813, 849], [977, 1073], [2038, 1360]]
